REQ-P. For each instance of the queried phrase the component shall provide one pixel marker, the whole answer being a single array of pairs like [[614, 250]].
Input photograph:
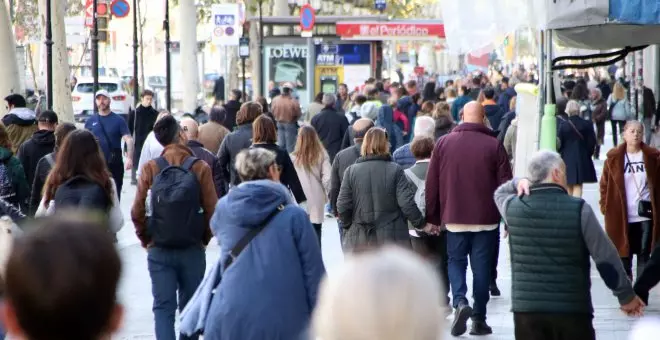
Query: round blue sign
[[120, 8], [307, 18]]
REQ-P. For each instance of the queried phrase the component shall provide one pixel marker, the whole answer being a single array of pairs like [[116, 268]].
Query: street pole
[[136, 86], [168, 58], [95, 51], [262, 86], [244, 82], [49, 55]]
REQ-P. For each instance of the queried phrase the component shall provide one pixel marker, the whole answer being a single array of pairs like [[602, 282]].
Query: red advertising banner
[[390, 30]]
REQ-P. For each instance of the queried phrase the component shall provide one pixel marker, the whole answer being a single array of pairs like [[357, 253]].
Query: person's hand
[[634, 307], [523, 187], [506, 233], [129, 164], [431, 229]]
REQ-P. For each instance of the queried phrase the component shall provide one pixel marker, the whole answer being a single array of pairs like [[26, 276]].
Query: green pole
[[549, 128]]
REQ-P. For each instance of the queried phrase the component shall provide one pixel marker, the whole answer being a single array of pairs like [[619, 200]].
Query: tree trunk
[[61, 76], [142, 21], [234, 69], [9, 80], [255, 57], [189, 68]]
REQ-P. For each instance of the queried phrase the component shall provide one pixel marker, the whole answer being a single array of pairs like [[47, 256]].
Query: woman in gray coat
[[376, 199]]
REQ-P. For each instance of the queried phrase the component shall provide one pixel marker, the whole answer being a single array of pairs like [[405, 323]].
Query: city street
[[135, 292]]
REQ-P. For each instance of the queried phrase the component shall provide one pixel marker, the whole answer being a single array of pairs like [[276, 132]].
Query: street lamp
[[95, 50], [136, 86], [49, 55], [262, 88], [168, 58]]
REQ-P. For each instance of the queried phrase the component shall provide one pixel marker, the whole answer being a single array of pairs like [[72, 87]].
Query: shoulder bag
[[575, 128], [644, 207]]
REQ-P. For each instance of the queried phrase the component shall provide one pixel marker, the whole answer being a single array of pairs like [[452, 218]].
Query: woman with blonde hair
[[619, 110], [388, 294], [312, 164], [577, 140], [376, 199]]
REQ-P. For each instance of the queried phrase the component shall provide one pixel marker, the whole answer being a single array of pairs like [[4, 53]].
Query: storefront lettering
[[389, 30], [288, 52]]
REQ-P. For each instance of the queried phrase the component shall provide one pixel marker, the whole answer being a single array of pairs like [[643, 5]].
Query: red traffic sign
[[120, 8], [307, 17]]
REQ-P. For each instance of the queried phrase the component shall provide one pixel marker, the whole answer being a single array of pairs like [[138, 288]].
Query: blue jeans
[[286, 135], [173, 270], [480, 247]]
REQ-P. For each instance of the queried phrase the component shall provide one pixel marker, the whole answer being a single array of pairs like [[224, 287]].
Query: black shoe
[[480, 328], [461, 315], [494, 291]]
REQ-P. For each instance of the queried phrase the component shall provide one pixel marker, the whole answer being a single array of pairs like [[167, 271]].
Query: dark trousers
[[639, 241], [317, 229], [650, 276], [616, 132], [479, 246], [434, 248], [117, 172], [175, 273], [553, 326], [496, 258]]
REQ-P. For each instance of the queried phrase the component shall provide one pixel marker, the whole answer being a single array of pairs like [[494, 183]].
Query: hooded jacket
[[270, 290], [386, 121], [41, 144], [21, 123], [40, 174]]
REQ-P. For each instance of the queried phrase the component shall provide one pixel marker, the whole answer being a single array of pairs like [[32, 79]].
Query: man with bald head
[[191, 130], [466, 168], [344, 159]]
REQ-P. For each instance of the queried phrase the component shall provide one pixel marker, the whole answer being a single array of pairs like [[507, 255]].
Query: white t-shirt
[[637, 188]]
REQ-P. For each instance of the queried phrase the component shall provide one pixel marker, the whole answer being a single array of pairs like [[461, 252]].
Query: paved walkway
[[135, 290]]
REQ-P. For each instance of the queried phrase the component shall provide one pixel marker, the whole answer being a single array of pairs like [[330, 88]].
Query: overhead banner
[[226, 24]]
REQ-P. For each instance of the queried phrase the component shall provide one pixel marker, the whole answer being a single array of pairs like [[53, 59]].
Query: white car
[[82, 97]]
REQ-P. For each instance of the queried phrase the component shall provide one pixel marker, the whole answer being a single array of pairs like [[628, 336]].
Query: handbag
[[193, 317], [644, 207]]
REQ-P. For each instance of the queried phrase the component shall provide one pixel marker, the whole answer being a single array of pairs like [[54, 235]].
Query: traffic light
[[102, 22]]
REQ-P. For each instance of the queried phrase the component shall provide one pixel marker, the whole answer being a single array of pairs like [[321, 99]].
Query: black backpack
[[81, 192], [177, 217]]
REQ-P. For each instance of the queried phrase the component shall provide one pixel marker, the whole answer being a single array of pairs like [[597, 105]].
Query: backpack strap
[[162, 163], [243, 242], [416, 180], [189, 162]]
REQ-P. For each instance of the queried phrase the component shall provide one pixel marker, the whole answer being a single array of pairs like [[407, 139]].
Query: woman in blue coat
[[270, 289], [577, 141]]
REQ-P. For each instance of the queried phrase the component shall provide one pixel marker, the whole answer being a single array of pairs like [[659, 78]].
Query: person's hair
[[441, 109], [370, 80], [392, 292], [166, 131], [450, 92], [633, 123], [580, 92], [48, 117], [263, 102], [319, 98], [375, 143], [512, 104], [248, 113], [598, 92], [238, 94], [415, 97], [449, 83], [5, 142], [427, 107], [572, 108], [618, 92], [428, 93], [505, 80], [379, 86], [411, 84], [358, 135], [218, 114], [252, 164], [147, 93], [360, 99], [424, 126], [464, 90], [61, 279], [393, 102], [489, 92], [372, 92], [401, 92], [542, 164], [309, 149], [329, 100], [264, 130], [286, 91], [422, 147], [79, 155], [16, 100], [61, 132]]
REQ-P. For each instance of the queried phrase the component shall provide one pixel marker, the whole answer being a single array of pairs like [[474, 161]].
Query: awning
[[391, 30]]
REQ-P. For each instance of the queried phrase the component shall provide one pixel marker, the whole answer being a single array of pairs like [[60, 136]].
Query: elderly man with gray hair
[[425, 127], [331, 125], [552, 235]]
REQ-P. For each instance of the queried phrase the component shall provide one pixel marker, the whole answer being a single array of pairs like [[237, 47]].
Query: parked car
[[83, 97]]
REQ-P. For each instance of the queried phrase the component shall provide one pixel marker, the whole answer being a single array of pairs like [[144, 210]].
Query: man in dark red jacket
[[466, 168]]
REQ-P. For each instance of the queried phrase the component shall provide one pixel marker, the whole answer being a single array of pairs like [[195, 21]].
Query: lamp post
[[136, 86], [168, 58], [262, 87], [49, 55], [95, 50]]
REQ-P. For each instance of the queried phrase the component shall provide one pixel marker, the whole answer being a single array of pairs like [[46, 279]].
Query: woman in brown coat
[[630, 182]]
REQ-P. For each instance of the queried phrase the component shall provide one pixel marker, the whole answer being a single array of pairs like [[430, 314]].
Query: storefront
[[287, 63], [342, 62]]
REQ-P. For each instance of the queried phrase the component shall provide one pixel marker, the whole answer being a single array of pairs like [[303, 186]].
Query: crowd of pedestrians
[[405, 169]]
